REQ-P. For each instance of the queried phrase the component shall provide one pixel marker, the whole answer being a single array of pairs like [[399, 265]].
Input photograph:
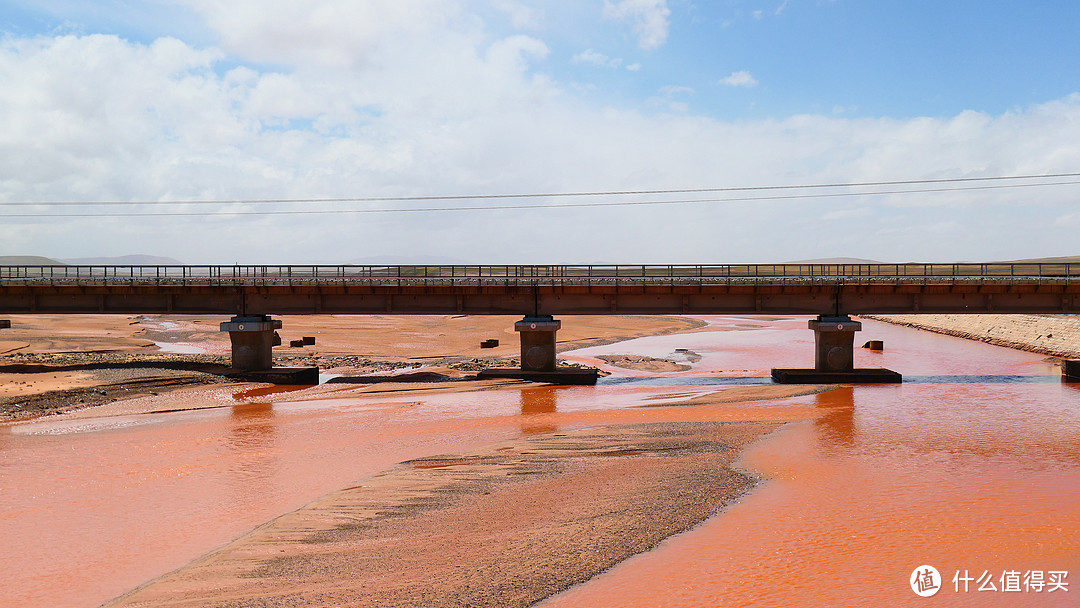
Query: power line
[[544, 195], [557, 205]]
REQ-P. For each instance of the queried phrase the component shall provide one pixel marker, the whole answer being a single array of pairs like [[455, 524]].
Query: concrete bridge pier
[[834, 359], [834, 341], [538, 355], [253, 356], [538, 342], [252, 341]]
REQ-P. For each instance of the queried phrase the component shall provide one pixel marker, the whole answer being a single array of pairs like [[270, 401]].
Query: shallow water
[[973, 464]]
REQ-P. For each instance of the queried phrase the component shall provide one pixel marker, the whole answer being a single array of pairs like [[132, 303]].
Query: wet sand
[[1054, 335], [510, 523], [503, 525], [51, 364], [507, 525]]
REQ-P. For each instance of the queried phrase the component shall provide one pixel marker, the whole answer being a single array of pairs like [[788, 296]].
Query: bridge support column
[[834, 359], [538, 342], [252, 341], [834, 340]]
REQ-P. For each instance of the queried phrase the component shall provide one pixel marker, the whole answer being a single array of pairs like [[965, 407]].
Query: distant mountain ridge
[[836, 261], [28, 260], [125, 260]]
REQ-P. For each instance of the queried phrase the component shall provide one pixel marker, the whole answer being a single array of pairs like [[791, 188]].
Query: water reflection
[[251, 441], [268, 391], [684, 380], [536, 404], [836, 429], [981, 379]]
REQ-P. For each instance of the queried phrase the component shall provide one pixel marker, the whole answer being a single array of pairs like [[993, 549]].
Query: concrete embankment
[[1055, 335]]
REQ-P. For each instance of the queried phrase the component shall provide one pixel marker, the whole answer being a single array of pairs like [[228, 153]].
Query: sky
[[158, 103]]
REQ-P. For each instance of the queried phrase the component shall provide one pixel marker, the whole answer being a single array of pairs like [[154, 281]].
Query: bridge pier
[[834, 360], [538, 356], [834, 341], [252, 341], [538, 342]]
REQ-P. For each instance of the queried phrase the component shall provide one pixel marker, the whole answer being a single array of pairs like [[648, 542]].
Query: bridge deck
[[561, 289]]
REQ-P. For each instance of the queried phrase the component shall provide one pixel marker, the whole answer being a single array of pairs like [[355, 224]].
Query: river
[[972, 465]]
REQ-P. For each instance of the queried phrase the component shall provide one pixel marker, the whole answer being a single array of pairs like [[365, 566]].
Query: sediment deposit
[[1054, 335]]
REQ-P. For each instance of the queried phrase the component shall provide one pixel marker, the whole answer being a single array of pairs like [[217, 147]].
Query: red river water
[[971, 466]]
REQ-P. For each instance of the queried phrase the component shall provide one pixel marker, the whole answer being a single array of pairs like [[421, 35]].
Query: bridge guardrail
[[284, 274]]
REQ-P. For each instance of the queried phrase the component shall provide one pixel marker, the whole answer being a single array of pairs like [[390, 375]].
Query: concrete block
[[855, 376], [1070, 368], [571, 375]]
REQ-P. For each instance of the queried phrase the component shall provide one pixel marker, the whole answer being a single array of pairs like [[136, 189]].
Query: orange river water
[[971, 466]]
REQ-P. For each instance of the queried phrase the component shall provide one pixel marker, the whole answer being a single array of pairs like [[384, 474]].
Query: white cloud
[[650, 19], [457, 112], [673, 90], [741, 78], [669, 99], [523, 17], [338, 33], [634, 67], [591, 57]]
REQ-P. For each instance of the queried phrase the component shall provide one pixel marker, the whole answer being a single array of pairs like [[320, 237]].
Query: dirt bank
[[507, 525], [1054, 335], [644, 364], [53, 364]]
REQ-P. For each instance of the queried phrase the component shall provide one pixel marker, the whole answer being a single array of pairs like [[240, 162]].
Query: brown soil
[[644, 364], [504, 526], [742, 394], [60, 363]]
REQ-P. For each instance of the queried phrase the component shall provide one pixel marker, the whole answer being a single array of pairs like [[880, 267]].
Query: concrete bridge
[[250, 294]]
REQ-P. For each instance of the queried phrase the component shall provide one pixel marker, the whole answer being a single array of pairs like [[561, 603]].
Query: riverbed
[[971, 465]]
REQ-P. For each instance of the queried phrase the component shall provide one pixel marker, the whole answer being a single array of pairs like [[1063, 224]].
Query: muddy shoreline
[[1053, 335], [68, 363], [505, 526]]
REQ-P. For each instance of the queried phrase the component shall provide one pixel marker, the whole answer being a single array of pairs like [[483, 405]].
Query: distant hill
[[1068, 259], [28, 260], [126, 260], [836, 261], [406, 260]]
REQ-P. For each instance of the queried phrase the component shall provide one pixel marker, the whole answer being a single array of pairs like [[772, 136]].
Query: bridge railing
[[244, 274]]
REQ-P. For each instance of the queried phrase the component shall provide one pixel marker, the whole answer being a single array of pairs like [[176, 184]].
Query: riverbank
[[503, 526], [56, 364], [1054, 335], [589, 481]]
